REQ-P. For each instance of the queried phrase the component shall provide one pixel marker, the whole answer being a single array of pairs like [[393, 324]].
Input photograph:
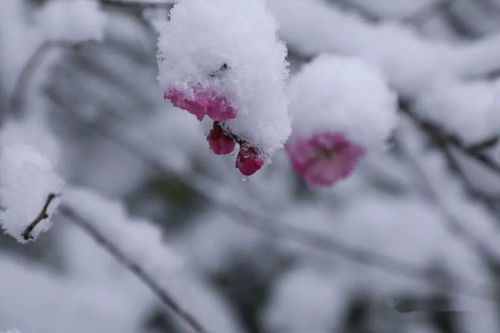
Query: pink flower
[[219, 141], [202, 102], [249, 160], [323, 158], [220, 109], [196, 105]]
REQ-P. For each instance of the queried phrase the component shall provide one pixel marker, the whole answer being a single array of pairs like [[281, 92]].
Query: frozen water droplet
[[245, 179]]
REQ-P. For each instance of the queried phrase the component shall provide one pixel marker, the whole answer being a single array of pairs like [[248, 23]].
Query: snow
[[292, 308], [411, 63], [71, 20], [138, 239], [28, 160], [27, 178], [195, 45], [313, 26], [33, 131], [343, 95], [468, 109]]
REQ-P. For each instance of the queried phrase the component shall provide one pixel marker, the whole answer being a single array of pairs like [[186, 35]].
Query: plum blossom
[[323, 158], [201, 102], [342, 108]]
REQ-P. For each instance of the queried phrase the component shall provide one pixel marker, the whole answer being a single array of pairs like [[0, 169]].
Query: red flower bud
[[249, 160], [219, 141]]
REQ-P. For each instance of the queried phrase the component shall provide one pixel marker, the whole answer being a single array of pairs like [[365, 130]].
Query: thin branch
[[41, 216], [454, 224], [139, 3], [441, 136], [134, 267], [27, 74], [443, 141], [425, 14]]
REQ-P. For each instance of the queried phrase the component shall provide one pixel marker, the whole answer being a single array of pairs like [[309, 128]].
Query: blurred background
[[408, 244]]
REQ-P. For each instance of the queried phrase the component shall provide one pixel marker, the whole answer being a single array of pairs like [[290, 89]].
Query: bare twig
[[134, 267], [439, 135], [41, 216], [454, 225], [443, 141]]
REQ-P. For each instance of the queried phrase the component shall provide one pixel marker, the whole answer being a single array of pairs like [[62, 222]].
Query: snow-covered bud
[[235, 76], [249, 160], [341, 107], [220, 142]]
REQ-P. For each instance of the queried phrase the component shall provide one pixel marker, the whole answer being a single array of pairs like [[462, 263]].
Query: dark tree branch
[[444, 142], [442, 137], [454, 224], [483, 146], [134, 267], [42, 216], [429, 11]]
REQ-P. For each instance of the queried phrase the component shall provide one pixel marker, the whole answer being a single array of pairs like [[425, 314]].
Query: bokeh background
[[408, 244]]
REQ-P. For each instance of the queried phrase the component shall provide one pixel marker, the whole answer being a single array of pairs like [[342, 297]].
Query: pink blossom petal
[[183, 101], [201, 102], [324, 158], [219, 109]]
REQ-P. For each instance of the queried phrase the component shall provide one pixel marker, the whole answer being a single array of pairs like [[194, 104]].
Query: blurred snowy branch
[[139, 3], [132, 243]]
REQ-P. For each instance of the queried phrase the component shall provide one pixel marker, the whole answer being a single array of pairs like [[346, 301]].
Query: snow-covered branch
[[135, 244]]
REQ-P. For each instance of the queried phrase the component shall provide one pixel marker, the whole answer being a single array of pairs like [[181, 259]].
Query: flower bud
[[220, 142]]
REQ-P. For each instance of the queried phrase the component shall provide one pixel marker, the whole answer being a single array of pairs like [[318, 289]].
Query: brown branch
[[41, 216], [134, 267]]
